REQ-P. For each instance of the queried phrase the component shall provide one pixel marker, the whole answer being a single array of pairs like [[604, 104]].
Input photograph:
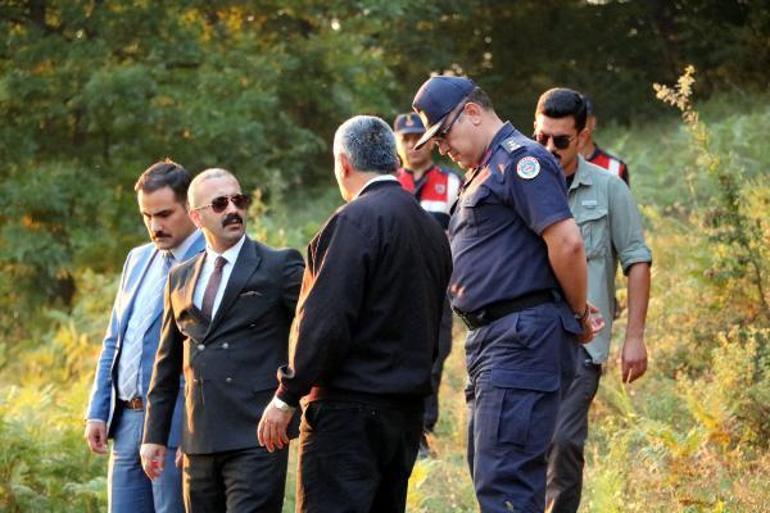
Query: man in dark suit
[[226, 325], [366, 335]]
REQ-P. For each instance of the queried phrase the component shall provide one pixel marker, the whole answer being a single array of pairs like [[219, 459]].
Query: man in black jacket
[[366, 335], [226, 325]]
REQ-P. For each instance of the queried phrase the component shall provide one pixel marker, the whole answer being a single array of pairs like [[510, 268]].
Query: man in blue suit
[[118, 397]]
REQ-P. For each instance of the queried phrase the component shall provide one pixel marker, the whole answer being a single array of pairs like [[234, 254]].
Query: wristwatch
[[280, 405], [582, 317]]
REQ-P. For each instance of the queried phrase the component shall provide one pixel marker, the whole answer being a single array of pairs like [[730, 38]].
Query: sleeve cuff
[[284, 395], [540, 227], [636, 257]]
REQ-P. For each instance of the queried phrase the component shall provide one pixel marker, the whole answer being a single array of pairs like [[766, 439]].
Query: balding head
[[195, 192]]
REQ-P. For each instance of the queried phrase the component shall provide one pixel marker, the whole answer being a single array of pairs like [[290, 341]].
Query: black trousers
[[565, 454], [356, 457], [444, 348], [247, 480]]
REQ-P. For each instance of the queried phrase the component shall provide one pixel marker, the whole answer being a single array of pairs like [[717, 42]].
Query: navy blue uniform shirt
[[496, 228]]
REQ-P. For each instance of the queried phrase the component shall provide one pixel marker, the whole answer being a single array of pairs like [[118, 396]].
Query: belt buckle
[[135, 403], [473, 321]]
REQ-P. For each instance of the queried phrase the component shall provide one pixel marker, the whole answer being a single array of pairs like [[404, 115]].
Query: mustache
[[160, 235], [232, 218]]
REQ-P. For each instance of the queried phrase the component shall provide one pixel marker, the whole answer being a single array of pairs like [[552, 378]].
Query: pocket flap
[[475, 198], [570, 324], [542, 381], [591, 214]]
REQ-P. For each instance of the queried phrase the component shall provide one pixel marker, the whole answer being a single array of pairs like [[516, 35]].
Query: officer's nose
[[443, 147]]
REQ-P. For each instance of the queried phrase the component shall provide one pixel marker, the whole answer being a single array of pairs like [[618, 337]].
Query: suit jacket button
[[225, 345], [201, 347], [229, 379]]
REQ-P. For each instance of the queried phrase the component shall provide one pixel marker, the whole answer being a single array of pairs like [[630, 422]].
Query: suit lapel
[[134, 288], [189, 285], [247, 262], [198, 245]]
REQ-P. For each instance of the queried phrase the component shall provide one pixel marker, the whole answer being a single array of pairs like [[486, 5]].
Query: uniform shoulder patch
[[510, 145], [528, 168]]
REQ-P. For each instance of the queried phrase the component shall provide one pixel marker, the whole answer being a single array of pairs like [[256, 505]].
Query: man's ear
[[591, 123], [345, 166], [195, 217], [473, 111], [583, 137]]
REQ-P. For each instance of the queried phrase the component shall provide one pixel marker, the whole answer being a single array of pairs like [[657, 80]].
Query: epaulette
[[510, 145]]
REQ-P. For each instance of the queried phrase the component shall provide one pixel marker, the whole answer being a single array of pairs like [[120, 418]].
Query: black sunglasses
[[219, 204], [444, 132], [561, 142]]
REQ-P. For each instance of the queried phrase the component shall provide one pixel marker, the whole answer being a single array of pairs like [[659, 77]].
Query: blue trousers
[[129, 489], [518, 366]]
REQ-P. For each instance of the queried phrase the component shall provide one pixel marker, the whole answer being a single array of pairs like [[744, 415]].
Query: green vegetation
[[691, 436], [93, 92]]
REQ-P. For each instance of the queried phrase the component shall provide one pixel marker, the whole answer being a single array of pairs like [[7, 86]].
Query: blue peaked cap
[[408, 123], [436, 98]]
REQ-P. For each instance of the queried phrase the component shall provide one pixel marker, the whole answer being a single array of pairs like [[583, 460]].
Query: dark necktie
[[213, 287]]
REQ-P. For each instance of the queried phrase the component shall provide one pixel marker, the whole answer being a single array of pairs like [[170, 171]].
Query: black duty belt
[[500, 309]]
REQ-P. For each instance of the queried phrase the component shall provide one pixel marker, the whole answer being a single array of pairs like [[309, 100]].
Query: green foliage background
[[92, 92]]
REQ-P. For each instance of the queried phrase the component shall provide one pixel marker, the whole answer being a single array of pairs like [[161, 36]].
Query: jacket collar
[[376, 183]]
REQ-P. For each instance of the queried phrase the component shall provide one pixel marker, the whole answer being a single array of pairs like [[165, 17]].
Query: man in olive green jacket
[[611, 226]]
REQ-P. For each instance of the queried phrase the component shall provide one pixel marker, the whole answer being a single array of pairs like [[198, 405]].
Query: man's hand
[[96, 436], [591, 324], [153, 459], [271, 431], [633, 359]]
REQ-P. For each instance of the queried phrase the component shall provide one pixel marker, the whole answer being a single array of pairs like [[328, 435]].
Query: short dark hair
[[561, 102], [165, 173], [481, 98]]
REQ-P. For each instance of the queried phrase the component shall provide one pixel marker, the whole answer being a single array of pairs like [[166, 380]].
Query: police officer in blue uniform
[[519, 284]]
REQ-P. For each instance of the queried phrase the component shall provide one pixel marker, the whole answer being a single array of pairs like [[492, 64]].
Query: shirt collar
[[378, 178], [230, 254], [504, 133], [582, 175], [181, 250]]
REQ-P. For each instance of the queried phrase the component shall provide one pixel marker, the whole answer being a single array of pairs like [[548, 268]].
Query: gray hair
[[369, 144], [206, 174]]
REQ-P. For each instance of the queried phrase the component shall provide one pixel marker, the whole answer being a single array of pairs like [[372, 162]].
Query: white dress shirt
[[231, 255], [148, 296], [380, 178]]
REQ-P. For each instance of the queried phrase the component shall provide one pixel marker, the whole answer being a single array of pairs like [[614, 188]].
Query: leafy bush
[[691, 436]]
